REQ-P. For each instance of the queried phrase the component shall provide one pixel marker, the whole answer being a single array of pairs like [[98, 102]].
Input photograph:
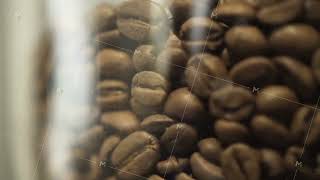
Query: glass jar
[[163, 89]]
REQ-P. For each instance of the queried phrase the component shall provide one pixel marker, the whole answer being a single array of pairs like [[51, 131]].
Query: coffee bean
[[244, 41], [91, 139], [120, 122], [171, 63], [176, 103], [203, 169], [107, 147], [300, 125], [210, 149], [182, 10], [144, 58], [172, 166], [232, 103], [115, 40], [136, 154], [156, 124], [179, 139], [201, 34], [103, 18], [295, 39], [273, 165], [280, 12], [144, 110], [155, 177], [149, 88], [233, 13], [114, 64], [183, 176], [312, 8], [229, 132], [254, 72], [205, 73], [136, 21], [276, 100], [111, 178], [112, 94], [241, 162], [297, 159], [316, 64], [278, 134], [297, 76]]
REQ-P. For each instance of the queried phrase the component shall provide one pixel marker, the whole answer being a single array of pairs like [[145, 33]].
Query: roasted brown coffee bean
[[120, 122], [276, 100], [297, 76], [115, 40], [280, 12], [295, 39], [229, 132], [179, 139], [297, 159], [112, 94], [177, 101], [269, 131], [241, 162], [205, 73], [210, 149], [111, 178], [114, 64], [137, 154], [92, 138], [156, 124], [149, 88], [273, 165], [155, 177], [103, 18], [312, 8], [144, 58], [183, 176], [205, 170], [107, 147], [182, 10], [254, 72], [144, 110], [142, 20], [231, 103], [234, 13], [201, 34], [306, 122], [316, 64], [172, 165], [171, 63], [244, 41]]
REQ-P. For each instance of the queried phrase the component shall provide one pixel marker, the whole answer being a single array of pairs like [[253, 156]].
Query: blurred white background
[[21, 26]]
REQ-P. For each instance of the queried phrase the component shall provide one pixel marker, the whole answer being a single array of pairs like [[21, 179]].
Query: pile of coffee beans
[[204, 89]]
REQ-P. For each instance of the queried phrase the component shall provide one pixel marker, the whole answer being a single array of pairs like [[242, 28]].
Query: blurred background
[[22, 23]]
